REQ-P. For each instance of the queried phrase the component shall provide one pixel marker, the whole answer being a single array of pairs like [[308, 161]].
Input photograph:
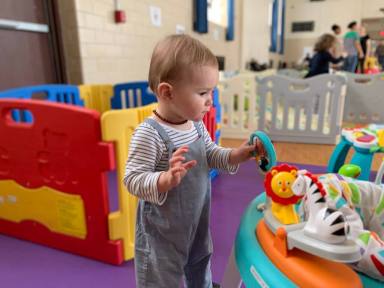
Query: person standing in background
[[337, 49], [379, 53], [365, 42], [352, 47]]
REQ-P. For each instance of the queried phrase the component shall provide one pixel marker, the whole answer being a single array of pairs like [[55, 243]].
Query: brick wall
[[99, 51]]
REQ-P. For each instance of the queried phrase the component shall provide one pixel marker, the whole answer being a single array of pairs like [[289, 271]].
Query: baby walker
[[274, 249]]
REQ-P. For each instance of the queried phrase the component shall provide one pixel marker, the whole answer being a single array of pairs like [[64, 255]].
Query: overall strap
[[197, 127], [163, 134]]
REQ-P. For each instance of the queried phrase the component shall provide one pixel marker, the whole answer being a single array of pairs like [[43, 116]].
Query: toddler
[[168, 168]]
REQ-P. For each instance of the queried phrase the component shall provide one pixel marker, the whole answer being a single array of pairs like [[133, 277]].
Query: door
[[29, 50]]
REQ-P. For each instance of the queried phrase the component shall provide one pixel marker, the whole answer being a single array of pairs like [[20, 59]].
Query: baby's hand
[[245, 152], [177, 170]]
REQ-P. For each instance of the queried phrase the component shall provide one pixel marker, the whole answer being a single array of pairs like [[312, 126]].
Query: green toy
[[350, 170]]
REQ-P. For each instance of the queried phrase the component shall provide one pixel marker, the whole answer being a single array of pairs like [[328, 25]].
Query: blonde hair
[[175, 54], [325, 42]]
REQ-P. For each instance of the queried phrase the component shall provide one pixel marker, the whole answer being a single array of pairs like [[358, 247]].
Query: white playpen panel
[[364, 101], [291, 73], [302, 110], [294, 110], [239, 104]]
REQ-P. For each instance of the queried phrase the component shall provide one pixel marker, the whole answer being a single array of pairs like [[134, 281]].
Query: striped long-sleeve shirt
[[148, 157]]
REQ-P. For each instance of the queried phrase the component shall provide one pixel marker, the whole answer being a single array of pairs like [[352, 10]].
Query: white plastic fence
[[291, 73], [364, 101], [238, 102], [292, 110]]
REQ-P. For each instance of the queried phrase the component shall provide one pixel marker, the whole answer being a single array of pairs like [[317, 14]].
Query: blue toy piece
[[68, 94], [380, 175], [363, 156], [268, 146], [339, 155], [140, 91]]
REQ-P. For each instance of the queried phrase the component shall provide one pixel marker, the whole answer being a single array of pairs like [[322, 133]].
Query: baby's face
[[193, 93]]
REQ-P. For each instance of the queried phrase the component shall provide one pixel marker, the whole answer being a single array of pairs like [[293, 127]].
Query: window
[[217, 12], [276, 19]]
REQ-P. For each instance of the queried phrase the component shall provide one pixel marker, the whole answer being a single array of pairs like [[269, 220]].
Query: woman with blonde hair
[[319, 63]]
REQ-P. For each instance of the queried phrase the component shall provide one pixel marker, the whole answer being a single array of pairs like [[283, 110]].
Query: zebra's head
[[300, 185]]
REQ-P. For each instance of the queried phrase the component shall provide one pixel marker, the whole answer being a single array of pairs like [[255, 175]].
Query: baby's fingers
[[189, 164], [180, 151], [176, 170], [175, 160]]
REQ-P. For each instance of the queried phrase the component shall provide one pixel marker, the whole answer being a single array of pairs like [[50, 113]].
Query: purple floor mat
[[24, 264]]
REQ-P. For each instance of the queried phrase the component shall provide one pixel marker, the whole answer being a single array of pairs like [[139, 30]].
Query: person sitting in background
[[371, 66], [253, 65], [319, 63]]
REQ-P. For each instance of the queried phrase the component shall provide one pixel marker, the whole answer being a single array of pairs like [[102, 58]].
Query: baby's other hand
[[177, 170]]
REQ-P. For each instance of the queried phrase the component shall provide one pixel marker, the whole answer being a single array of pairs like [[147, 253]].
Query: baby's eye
[[203, 93]]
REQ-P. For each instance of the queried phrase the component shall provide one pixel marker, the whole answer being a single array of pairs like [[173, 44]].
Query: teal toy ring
[[265, 163]]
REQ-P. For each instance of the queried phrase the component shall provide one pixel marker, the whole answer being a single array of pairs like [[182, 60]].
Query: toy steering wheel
[[265, 162]]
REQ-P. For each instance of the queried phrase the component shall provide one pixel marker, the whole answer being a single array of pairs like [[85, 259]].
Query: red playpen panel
[[210, 122], [61, 149]]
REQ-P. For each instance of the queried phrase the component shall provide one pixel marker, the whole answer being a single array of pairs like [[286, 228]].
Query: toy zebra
[[324, 223]]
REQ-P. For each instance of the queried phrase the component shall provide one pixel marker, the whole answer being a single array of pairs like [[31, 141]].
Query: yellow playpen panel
[[97, 97], [118, 126], [59, 212]]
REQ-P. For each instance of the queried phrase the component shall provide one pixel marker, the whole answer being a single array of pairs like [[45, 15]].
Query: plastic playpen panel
[[62, 149], [364, 101], [290, 73], [97, 97], [293, 110], [302, 110], [118, 126], [65, 214], [239, 104], [133, 94], [68, 94]]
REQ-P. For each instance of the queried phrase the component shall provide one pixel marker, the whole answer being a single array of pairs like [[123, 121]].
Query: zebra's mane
[[313, 180]]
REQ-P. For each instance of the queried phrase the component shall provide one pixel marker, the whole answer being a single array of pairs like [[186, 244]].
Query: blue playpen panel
[[67, 94], [133, 94], [213, 173], [216, 104]]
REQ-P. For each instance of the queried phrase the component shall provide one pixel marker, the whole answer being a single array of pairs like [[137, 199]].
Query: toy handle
[[380, 174], [268, 146]]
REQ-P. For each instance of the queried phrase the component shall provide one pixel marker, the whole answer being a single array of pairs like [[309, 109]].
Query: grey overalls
[[174, 239]]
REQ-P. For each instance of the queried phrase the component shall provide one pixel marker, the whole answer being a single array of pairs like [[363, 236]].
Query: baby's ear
[[164, 90]]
